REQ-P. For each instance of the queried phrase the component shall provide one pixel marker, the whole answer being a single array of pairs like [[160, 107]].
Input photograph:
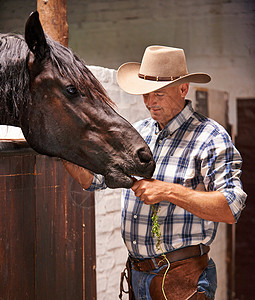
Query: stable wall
[[218, 35]]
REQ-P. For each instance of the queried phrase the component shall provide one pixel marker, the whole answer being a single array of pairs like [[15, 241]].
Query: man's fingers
[[135, 185]]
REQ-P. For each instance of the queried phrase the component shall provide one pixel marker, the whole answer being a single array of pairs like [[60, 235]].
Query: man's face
[[166, 103]]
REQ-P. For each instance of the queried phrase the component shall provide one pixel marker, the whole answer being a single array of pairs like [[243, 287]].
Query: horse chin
[[114, 181]]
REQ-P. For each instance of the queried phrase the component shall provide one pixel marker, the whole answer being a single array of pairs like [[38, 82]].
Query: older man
[[196, 183]]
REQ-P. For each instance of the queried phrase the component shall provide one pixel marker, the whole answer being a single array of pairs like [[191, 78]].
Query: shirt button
[[135, 216], [134, 242]]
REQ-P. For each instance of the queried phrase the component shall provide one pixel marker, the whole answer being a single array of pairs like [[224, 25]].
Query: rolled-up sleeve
[[98, 183], [221, 170]]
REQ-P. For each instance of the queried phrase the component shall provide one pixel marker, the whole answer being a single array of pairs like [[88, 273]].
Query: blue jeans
[[207, 282]]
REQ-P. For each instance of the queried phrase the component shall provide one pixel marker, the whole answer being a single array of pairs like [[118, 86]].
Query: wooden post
[[53, 16]]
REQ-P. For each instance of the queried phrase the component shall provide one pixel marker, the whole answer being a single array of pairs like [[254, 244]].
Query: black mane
[[14, 75]]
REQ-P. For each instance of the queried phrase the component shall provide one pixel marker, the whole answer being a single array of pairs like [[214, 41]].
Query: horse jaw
[[118, 180]]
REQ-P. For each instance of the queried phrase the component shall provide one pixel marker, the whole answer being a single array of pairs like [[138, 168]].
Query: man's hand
[[83, 176], [151, 191]]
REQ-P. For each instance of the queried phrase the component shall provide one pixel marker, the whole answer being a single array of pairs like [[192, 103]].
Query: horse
[[63, 111]]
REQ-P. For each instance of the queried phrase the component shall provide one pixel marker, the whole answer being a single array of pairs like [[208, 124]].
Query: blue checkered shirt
[[193, 151]]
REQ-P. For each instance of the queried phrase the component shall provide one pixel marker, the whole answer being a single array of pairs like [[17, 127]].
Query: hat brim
[[128, 80]]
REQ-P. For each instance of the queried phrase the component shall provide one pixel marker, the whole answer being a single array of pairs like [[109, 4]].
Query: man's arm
[[211, 206], [83, 176]]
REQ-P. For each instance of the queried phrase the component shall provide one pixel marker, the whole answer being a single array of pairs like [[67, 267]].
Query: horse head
[[71, 117]]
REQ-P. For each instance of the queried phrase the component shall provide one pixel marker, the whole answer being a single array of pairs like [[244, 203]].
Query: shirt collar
[[177, 121]]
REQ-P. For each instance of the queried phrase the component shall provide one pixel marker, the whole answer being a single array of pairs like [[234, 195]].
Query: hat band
[[157, 78]]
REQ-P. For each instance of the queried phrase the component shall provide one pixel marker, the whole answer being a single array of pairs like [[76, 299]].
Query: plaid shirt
[[193, 151]]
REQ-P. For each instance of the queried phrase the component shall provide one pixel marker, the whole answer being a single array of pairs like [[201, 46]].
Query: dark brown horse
[[62, 109]]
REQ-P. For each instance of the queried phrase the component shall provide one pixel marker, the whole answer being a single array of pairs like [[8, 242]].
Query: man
[[196, 183]]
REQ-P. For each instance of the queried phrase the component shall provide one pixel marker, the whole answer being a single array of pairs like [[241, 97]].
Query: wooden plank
[[89, 247], [17, 242], [75, 239], [4, 232], [60, 228], [82, 230], [45, 238], [29, 229]]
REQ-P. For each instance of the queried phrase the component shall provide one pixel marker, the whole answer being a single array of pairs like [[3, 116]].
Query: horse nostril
[[144, 155]]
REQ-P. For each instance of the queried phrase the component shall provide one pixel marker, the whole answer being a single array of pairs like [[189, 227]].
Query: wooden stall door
[[17, 226], [245, 238], [47, 231]]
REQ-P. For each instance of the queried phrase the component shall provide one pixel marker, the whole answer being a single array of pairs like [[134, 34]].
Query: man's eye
[[71, 90], [159, 94]]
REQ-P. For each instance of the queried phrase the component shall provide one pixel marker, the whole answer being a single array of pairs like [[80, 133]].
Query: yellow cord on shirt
[[156, 233]]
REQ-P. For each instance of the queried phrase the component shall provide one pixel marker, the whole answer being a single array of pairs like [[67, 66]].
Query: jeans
[[207, 282]]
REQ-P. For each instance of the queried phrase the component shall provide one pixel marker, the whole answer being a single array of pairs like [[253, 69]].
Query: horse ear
[[34, 36]]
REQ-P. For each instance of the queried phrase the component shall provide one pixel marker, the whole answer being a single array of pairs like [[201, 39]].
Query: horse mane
[[14, 75], [74, 68]]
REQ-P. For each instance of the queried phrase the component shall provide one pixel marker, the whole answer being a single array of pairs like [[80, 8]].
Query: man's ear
[[184, 88], [35, 38]]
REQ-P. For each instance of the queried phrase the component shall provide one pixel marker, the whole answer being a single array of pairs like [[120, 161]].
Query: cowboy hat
[[161, 66]]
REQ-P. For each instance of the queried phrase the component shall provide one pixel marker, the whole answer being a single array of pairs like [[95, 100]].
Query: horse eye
[[72, 90]]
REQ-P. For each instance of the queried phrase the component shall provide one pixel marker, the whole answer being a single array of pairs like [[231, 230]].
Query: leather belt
[[149, 264]]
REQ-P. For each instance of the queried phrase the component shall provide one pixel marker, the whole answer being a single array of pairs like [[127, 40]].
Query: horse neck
[[14, 79]]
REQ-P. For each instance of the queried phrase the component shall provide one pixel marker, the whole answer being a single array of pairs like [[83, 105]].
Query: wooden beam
[[53, 16]]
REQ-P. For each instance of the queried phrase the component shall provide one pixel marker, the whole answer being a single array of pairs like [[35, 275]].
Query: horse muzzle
[[121, 175]]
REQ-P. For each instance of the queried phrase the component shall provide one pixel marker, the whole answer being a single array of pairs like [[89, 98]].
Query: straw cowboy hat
[[161, 66]]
